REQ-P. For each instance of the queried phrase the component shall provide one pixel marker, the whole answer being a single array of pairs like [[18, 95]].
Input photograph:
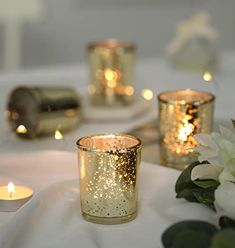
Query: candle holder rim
[[112, 44], [85, 148], [211, 96]]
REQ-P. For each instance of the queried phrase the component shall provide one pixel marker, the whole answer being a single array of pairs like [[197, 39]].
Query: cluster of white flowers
[[219, 150]]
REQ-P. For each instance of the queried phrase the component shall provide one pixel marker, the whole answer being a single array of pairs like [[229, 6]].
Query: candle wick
[[10, 194]]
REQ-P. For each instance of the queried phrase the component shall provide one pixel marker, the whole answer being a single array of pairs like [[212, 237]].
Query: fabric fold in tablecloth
[[52, 218]]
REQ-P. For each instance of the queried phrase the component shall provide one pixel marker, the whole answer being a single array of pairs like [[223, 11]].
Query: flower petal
[[205, 171], [206, 140], [225, 200], [207, 154], [225, 177], [228, 134], [205, 151], [226, 145]]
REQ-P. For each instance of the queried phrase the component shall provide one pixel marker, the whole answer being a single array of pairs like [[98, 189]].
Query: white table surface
[[155, 74], [52, 218]]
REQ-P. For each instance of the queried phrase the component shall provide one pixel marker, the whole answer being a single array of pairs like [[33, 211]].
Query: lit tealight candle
[[111, 65], [108, 169], [13, 197], [182, 114]]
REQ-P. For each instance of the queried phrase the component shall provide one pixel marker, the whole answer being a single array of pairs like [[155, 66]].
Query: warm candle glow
[[129, 90], [111, 84], [21, 129], [185, 131], [58, 135], [10, 189], [108, 176], [147, 94], [110, 75], [183, 114], [111, 72], [207, 76], [12, 197]]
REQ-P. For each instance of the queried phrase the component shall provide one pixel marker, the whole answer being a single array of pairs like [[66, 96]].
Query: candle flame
[[58, 135], [21, 129], [185, 131], [11, 189], [110, 75], [147, 94], [207, 76]]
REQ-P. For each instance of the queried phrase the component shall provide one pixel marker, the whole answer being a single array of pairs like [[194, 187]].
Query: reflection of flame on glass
[[13, 115], [110, 75], [129, 90], [112, 84], [21, 129], [58, 135], [185, 131], [83, 171], [207, 76], [147, 94], [10, 189]]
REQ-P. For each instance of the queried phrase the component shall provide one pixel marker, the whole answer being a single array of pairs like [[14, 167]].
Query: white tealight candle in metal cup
[[12, 197]]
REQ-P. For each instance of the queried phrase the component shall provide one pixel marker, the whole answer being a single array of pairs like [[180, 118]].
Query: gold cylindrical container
[[37, 111], [111, 65], [182, 114], [108, 169]]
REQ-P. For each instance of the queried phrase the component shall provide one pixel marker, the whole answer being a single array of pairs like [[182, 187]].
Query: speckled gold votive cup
[[111, 72], [108, 170], [182, 114]]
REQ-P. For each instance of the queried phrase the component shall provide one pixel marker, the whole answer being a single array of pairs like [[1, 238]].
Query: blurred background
[[37, 33]]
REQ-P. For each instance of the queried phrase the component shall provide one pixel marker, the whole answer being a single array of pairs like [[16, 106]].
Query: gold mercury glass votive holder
[[108, 170], [34, 111], [111, 65], [182, 114]]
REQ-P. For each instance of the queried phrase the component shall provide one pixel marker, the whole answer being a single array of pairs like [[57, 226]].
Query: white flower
[[225, 199], [219, 150]]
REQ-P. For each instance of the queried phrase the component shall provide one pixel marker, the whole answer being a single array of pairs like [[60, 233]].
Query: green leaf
[[224, 239], [206, 183], [226, 222], [184, 184], [205, 196], [185, 234], [201, 191], [188, 195]]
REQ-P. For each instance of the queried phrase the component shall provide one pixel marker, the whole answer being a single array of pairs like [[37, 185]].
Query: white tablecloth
[[52, 218], [50, 164]]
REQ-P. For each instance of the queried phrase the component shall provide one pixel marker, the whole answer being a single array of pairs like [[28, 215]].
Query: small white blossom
[[219, 150]]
